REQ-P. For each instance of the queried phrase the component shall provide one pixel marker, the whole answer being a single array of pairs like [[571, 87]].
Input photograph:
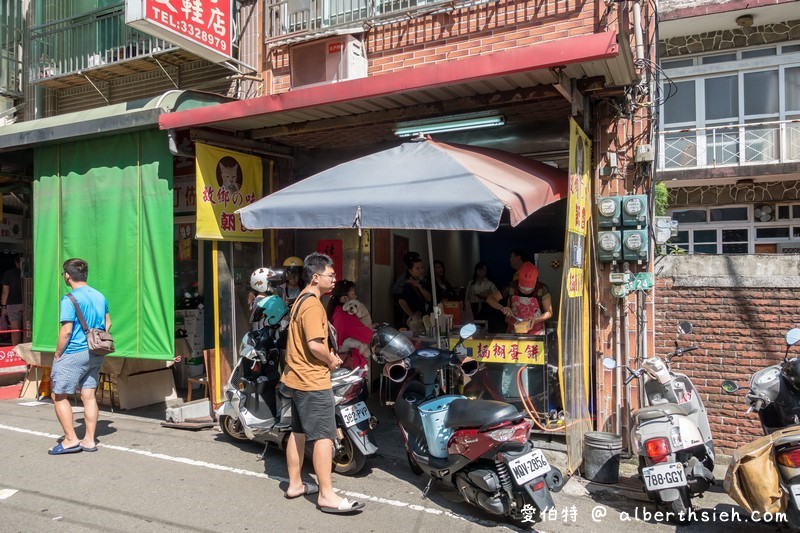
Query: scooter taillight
[[789, 457], [657, 449]]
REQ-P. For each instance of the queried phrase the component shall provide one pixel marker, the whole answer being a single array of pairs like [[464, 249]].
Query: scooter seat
[[478, 413], [658, 411]]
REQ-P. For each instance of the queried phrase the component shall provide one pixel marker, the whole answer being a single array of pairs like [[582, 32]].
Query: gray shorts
[[314, 414], [14, 312], [75, 371]]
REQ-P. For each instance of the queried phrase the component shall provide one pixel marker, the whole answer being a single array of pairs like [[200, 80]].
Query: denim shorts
[[75, 371]]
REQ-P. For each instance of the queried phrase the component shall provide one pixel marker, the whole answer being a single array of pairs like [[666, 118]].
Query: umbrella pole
[[433, 293]]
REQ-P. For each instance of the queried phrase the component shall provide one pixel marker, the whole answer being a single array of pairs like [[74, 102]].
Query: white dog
[[354, 307], [358, 309]]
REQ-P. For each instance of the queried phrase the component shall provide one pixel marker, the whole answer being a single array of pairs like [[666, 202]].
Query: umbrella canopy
[[417, 185]]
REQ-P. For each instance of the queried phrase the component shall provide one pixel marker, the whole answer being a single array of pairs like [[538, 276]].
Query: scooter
[[258, 408], [481, 447], [774, 394], [671, 434]]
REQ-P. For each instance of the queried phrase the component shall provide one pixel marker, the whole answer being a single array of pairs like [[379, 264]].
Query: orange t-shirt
[[303, 371]]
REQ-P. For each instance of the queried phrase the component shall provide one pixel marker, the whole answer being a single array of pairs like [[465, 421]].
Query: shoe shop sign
[[202, 27]]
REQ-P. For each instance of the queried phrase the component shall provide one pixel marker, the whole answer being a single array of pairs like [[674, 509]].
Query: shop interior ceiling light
[[469, 121]]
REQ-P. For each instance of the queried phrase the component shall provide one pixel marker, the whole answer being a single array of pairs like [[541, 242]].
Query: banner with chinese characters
[[226, 181], [499, 350], [573, 325]]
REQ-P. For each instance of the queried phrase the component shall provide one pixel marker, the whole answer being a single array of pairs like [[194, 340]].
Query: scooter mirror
[[684, 328], [793, 336], [467, 331], [609, 363], [729, 386]]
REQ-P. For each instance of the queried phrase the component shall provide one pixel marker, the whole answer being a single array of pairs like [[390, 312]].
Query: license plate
[[353, 414], [528, 467], [666, 476], [796, 495]]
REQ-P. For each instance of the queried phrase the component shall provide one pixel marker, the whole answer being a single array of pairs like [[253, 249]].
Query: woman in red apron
[[531, 302]]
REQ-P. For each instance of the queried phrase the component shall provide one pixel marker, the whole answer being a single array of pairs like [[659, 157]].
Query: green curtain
[[107, 200]]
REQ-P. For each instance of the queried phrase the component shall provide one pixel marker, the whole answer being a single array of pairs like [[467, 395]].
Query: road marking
[[240, 471]]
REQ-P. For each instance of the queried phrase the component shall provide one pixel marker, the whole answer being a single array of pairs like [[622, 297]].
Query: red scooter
[[480, 446]]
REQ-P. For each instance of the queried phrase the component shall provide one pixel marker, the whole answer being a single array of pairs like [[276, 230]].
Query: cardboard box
[[138, 390]]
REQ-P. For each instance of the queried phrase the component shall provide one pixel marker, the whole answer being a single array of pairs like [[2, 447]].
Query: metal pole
[[433, 292]]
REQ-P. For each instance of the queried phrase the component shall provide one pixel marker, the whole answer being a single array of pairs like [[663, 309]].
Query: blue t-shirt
[[94, 307]]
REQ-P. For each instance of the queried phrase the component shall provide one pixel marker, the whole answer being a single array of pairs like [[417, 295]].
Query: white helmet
[[259, 279]]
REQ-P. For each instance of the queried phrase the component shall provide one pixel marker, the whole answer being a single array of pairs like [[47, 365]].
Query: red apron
[[526, 307]]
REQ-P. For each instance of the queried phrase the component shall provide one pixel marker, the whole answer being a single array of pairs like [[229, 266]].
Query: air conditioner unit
[[789, 247], [327, 61]]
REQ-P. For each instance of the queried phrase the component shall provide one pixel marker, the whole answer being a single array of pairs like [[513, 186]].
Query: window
[[732, 108], [735, 229]]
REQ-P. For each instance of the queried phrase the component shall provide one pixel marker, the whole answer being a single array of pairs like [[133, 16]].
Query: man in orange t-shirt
[[307, 373]]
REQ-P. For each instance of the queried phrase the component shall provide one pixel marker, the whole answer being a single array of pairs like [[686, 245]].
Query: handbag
[[100, 342]]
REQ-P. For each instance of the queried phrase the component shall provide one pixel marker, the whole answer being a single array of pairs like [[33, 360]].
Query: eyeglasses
[[331, 276]]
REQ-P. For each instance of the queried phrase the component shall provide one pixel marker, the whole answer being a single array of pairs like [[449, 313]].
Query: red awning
[[596, 54]]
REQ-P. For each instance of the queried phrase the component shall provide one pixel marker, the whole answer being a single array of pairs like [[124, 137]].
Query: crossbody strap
[[78, 312], [296, 305]]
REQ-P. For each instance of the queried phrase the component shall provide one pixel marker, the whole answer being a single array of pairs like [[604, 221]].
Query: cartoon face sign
[[229, 174]]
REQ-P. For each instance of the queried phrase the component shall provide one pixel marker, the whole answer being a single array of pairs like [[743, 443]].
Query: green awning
[[114, 118]]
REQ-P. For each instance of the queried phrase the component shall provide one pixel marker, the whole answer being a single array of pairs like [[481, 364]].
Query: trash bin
[[601, 452]]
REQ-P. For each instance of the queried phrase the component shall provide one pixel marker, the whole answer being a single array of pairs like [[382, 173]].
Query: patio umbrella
[[417, 185], [426, 185]]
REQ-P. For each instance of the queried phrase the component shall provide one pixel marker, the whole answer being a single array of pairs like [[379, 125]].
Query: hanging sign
[[226, 181], [500, 350], [203, 27]]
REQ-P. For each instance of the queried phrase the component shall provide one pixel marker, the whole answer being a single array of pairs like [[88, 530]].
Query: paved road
[[148, 478]]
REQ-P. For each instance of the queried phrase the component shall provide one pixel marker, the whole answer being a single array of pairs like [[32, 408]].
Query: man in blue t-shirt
[[75, 367]]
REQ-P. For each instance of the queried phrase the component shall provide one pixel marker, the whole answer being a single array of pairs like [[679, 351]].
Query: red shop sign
[[203, 27], [10, 362]]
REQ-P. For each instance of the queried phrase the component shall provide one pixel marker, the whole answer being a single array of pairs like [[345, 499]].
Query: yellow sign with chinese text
[[226, 181], [509, 351], [579, 209]]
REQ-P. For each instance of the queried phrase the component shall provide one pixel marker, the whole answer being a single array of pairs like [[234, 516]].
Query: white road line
[[213, 466]]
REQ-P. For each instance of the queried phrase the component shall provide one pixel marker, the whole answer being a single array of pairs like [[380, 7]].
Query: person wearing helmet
[[292, 279], [259, 282]]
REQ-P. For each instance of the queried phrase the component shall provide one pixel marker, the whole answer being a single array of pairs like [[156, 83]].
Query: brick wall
[[739, 329], [464, 32]]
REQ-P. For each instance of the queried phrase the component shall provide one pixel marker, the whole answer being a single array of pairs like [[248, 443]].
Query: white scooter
[[671, 435], [774, 394]]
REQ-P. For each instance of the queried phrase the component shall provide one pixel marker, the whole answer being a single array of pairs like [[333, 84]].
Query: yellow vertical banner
[[226, 181], [574, 330]]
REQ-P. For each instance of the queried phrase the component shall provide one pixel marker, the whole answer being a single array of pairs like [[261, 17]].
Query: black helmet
[[791, 373], [389, 345]]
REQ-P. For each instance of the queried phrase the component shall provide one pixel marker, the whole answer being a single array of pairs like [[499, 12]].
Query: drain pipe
[[618, 371], [637, 29]]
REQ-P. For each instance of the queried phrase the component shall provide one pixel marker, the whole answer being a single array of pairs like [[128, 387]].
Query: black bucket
[[601, 453]]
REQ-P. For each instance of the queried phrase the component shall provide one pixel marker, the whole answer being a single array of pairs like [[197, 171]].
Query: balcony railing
[[730, 145], [87, 41], [11, 38], [289, 19]]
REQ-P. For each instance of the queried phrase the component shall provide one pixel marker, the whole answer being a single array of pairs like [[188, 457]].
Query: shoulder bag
[[100, 342]]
